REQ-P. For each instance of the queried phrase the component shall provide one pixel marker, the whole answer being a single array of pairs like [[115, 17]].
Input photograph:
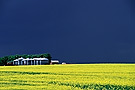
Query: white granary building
[[54, 61], [31, 61]]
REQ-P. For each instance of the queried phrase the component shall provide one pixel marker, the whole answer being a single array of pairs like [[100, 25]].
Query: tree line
[[10, 58]]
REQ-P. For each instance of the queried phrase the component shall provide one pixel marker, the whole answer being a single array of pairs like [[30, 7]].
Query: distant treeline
[[5, 59]]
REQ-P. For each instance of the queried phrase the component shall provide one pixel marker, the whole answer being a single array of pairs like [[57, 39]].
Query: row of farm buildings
[[33, 61]]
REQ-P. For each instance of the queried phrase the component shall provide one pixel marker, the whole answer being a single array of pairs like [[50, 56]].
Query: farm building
[[31, 61], [54, 61], [10, 63]]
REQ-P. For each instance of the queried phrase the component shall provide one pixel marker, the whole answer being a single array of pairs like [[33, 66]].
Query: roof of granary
[[30, 59], [54, 60]]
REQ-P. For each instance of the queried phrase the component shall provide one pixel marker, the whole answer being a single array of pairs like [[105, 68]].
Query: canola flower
[[68, 77]]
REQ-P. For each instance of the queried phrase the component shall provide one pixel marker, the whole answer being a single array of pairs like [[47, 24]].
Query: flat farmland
[[68, 77]]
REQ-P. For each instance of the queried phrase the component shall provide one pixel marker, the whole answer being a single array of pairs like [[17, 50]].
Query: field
[[68, 77]]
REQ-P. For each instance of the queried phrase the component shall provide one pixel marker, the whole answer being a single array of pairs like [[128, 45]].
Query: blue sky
[[70, 30]]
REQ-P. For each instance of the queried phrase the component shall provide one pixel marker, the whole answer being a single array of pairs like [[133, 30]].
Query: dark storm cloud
[[72, 31], [132, 5]]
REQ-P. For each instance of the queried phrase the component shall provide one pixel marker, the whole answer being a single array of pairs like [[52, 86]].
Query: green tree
[[4, 60]]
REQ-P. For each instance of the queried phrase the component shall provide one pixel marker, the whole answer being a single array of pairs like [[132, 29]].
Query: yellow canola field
[[68, 77]]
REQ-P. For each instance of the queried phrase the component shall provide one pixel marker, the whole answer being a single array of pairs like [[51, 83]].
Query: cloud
[[131, 4]]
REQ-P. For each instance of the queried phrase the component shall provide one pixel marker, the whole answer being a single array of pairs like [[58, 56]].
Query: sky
[[73, 31]]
